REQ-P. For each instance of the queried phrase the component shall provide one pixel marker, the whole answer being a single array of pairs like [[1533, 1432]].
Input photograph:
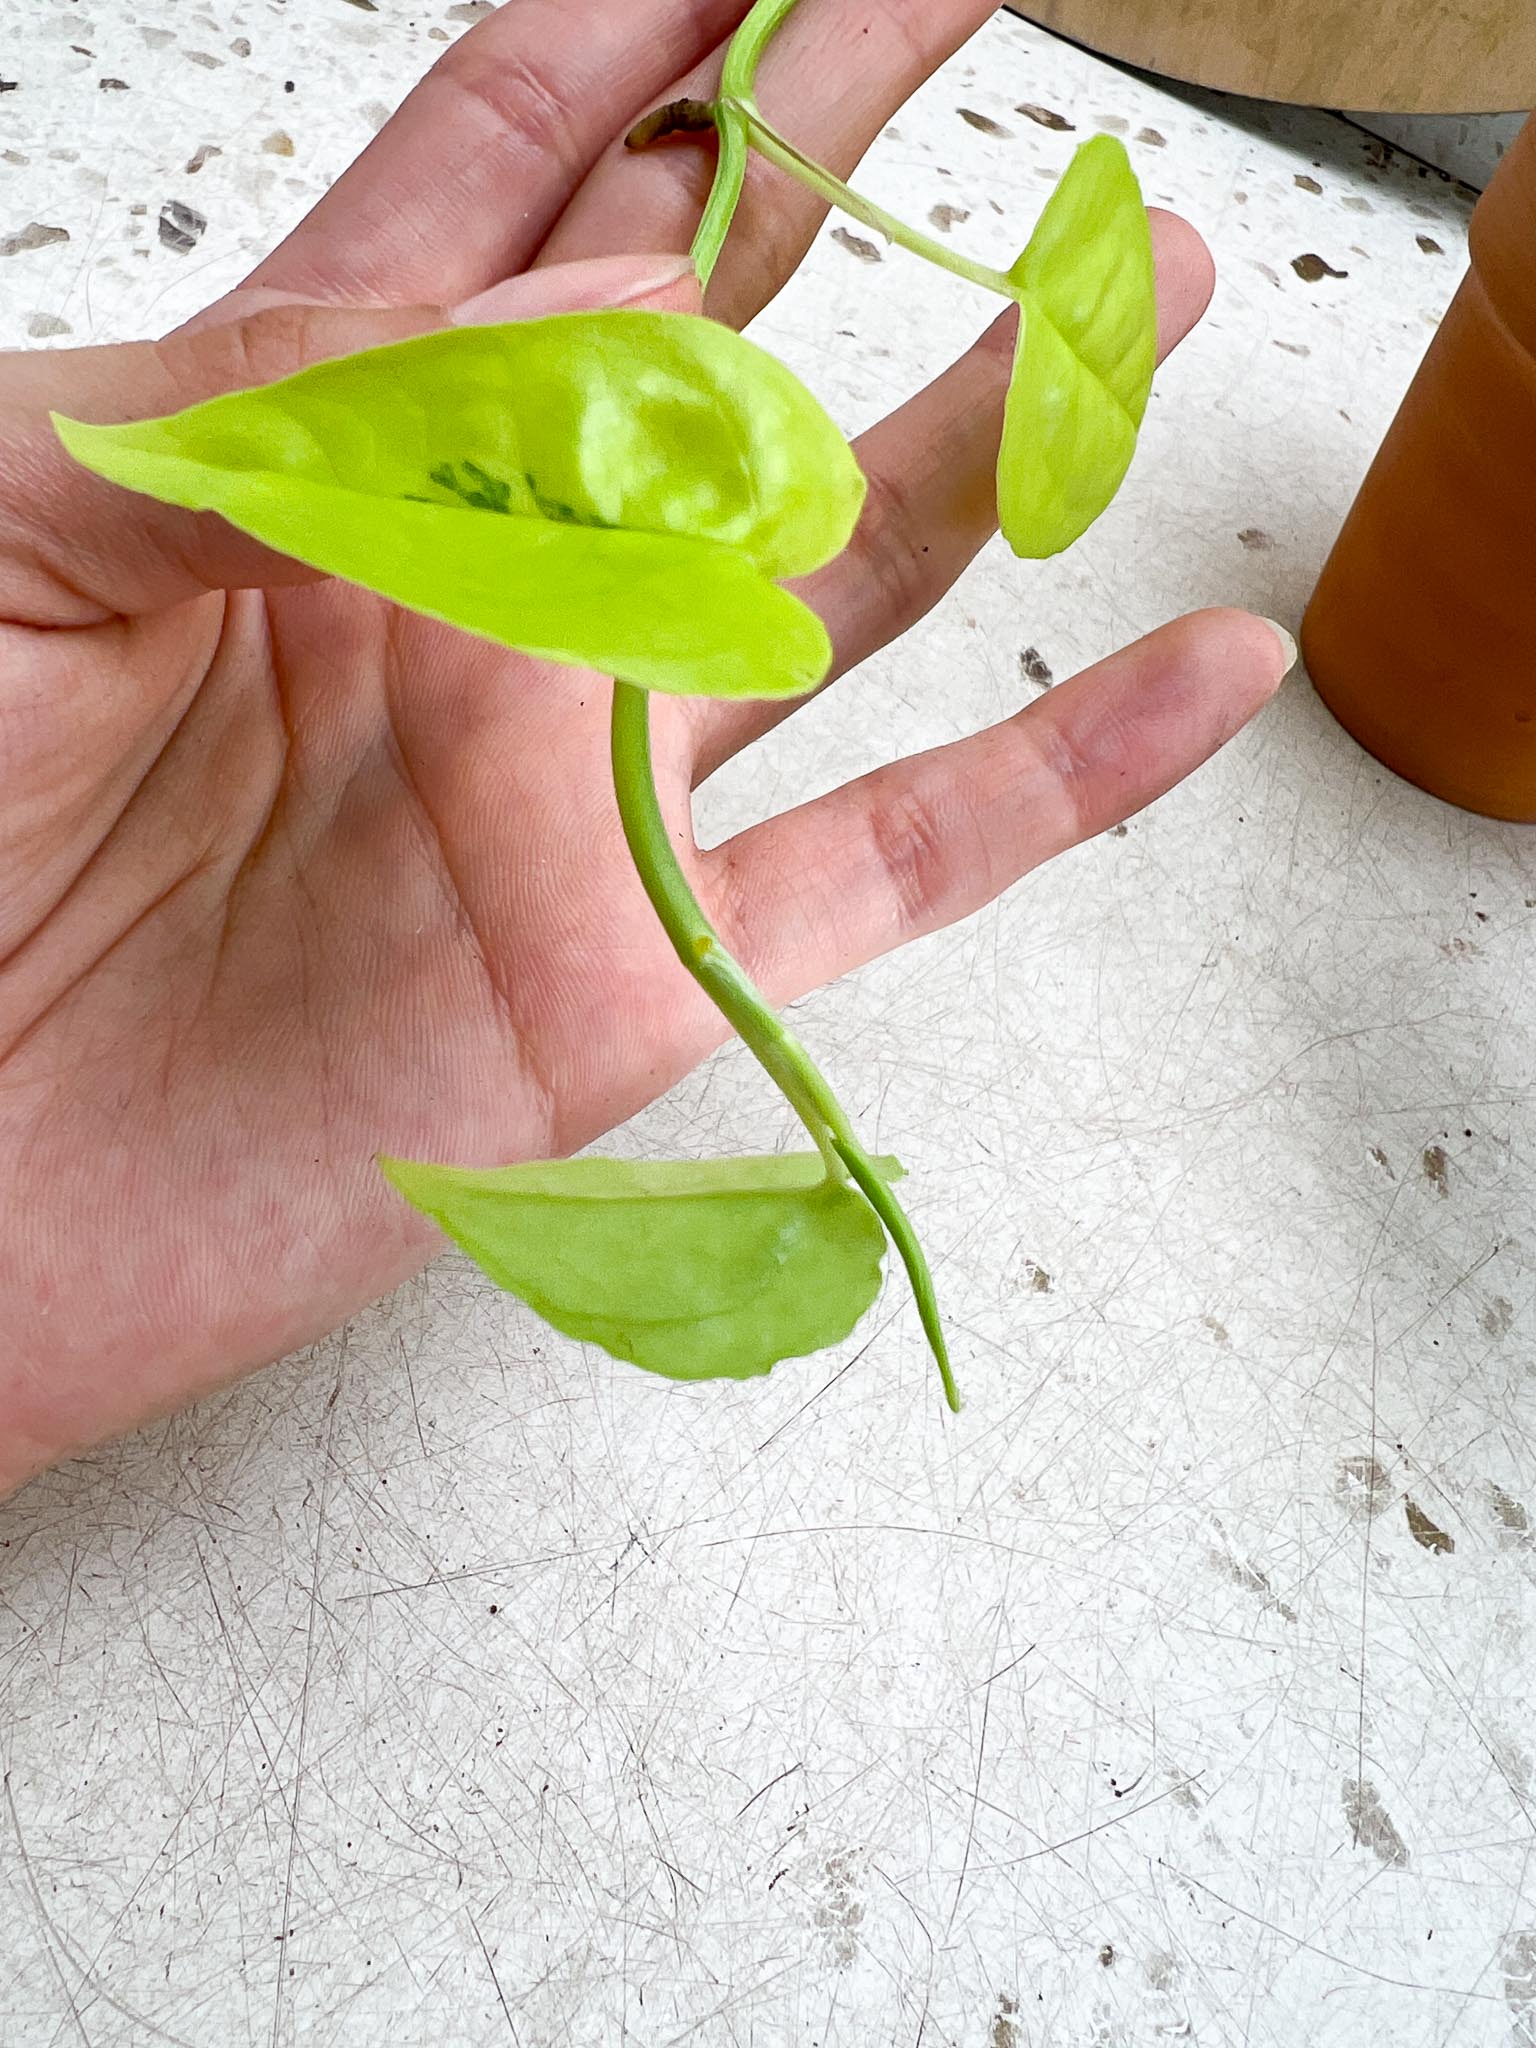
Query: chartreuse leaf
[[698, 1270], [614, 489], [1086, 350]]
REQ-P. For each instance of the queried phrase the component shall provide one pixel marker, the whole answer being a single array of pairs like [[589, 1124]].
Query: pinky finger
[[921, 843]]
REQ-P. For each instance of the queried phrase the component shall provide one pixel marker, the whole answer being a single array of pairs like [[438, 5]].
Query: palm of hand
[[371, 896]]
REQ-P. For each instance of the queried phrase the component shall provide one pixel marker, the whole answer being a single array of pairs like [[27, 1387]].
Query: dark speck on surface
[[35, 235], [1429, 245], [201, 155], [112, 85], [1046, 116], [856, 245], [1295, 348], [287, 85], [1112, 124], [181, 227], [1425, 1533], [1311, 267], [202, 57], [9, 84], [1035, 668], [984, 122], [1304, 183], [1255, 538], [1152, 138], [946, 217], [1436, 1168]]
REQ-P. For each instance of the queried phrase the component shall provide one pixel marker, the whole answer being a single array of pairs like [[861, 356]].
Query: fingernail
[[1287, 642], [600, 281]]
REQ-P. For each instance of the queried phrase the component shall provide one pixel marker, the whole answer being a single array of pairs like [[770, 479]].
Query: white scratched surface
[[453, 1685]]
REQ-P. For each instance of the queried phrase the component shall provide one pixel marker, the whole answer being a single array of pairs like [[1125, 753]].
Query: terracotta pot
[[1402, 56], [1421, 634]]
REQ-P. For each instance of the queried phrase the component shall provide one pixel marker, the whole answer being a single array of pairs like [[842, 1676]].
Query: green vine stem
[[736, 87], [698, 945], [694, 939]]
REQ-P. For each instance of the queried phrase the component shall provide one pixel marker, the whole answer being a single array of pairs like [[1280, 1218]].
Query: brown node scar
[[677, 117]]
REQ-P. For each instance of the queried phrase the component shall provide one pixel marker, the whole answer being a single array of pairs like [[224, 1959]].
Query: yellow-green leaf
[[697, 1270], [1086, 351], [620, 490]]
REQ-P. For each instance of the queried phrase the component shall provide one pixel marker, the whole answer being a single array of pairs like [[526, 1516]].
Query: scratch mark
[[309, 1667], [50, 1935], [1469, 1991], [981, 1757], [496, 1981], [788, 1772]]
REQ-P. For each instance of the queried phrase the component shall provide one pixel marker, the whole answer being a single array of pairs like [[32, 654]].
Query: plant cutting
[[629, 492]]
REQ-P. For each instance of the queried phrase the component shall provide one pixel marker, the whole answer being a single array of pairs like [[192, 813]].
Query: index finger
[[460, 188]]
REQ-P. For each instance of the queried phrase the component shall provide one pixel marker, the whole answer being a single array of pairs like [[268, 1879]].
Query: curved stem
[[696, 942], [694, 939], [779, 150], [736, 85], [786, 1061]]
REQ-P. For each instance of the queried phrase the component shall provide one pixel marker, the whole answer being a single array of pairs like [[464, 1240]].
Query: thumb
[[75, 549]]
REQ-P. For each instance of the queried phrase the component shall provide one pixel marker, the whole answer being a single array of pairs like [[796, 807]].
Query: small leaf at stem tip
[[712, 1269], [618, 490], [1086, 351]]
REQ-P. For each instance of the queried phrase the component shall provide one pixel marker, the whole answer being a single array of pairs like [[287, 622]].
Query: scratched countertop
[[452, 1684]]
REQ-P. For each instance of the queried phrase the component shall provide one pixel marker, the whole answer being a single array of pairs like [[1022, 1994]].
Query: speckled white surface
[[453, 1685]]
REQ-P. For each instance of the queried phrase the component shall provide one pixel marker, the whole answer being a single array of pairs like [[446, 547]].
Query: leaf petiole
[[778, 149]]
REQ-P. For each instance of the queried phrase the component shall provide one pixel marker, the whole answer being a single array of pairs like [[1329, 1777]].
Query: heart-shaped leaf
[[1086, 351], [695, 1269], [618, 490]]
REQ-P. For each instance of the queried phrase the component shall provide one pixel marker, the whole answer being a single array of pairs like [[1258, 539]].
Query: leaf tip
[[77, 437], [401, 1174]]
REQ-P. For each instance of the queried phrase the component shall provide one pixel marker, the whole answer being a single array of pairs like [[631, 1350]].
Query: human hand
[[293, 877]]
